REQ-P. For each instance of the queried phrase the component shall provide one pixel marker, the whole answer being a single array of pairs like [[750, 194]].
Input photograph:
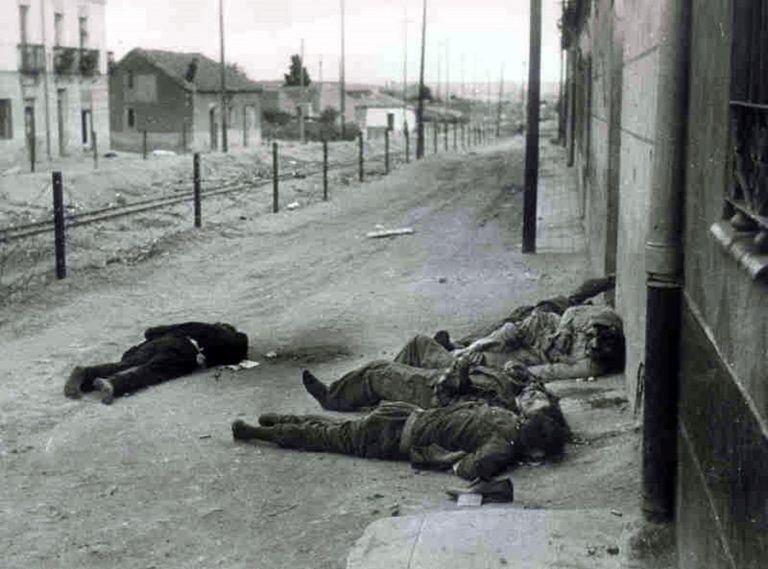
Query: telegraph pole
[[420, 108], [224, 144], [302, 135], [447, 76], [501, 96], [405, 65], [342, 88], [532, 133]]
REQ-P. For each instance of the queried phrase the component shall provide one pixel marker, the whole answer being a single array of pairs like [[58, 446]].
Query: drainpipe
[[664, 262]]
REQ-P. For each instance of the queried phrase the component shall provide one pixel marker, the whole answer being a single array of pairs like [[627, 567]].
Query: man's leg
[[158, 370], [318, 436], [377, 381], [81, 379], [426, 352]]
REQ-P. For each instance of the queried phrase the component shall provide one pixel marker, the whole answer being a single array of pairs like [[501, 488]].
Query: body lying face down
[[473, 438], [167, 352]]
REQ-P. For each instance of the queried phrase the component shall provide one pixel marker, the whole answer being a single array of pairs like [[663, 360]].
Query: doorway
[[61, 105], [214, 128], [30, 133], [86, 127]]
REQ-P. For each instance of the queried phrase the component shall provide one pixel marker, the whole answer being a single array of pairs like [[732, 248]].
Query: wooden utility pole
[[420, 108], [342, 87], [224, 144], [405, 68], [501, 96], [302, 136], [447, 77], [532, 133]]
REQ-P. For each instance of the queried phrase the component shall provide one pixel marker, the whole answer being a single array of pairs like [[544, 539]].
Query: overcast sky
[[262, 34]]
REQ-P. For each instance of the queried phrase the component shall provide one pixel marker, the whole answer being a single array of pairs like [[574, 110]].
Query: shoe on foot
[[315, 387], [240, 430], [269, 419], [106, 388], [73, 386]]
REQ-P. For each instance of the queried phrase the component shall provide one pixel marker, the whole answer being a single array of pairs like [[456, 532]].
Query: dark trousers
[[149, 363], [377, 435]]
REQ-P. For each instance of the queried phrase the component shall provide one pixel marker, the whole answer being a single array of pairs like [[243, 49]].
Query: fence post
[[325, 170], [275, 206], [436, 134], [386, 151], [407, 144], [455, 136], [445, 136], [58, 226], [32, 144], [361, 165], [95, 150], [144, 144], [196, 182]]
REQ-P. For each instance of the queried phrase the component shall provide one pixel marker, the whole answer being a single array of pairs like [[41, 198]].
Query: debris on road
[[245, 364], [389, 233], [291, 206], [470, 500], [272, 355]]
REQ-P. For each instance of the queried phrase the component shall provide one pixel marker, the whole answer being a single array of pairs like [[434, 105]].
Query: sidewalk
[[568, 514]]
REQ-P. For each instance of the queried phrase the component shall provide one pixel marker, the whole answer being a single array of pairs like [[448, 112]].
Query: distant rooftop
[[207, 76]]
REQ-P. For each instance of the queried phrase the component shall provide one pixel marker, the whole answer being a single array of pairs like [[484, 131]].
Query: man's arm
[[582, 368], [185, 329], [434, 456], [494, 456]]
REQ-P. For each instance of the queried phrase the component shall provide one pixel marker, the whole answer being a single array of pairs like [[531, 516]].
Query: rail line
[[24, 231]]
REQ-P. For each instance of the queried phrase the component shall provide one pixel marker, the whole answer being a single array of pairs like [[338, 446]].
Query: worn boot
[[105, 387], [73, 387], [315, 387], [242, 431]]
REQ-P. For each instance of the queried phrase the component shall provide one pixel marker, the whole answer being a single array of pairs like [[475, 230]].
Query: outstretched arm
[[582, 368]]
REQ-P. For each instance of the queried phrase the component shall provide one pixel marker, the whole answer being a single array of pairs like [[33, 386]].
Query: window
[[746, 199], [390, 121], [83, 24], [130, 118], [23, 24], [58, 28], [6, 125], [129, 80]]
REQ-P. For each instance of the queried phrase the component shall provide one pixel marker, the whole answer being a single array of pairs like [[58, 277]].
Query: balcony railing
[[31, 58], [64, 60], [747, 198], [88, 61]]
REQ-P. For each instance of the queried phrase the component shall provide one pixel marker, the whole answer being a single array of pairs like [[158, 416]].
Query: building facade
[[667, 131], [53, 79], [172, 101]]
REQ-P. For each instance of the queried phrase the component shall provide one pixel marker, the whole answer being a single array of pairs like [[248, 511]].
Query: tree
[[329, 116], [293, 77], [427, 92]]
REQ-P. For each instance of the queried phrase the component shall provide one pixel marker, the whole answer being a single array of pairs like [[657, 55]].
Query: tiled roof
[[207, 76]]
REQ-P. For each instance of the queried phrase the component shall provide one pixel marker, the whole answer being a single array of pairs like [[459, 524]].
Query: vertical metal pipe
[[325, 170], [58, 226], [361, 165], [530, 195], [664, 262], [275, 173], [196, 183], [144, 144], [95, 144]]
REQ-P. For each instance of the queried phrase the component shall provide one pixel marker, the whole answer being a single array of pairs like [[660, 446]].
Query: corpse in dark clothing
[[167, 352], [475, 439]]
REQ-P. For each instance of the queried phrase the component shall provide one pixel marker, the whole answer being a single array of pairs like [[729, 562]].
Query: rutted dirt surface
[[156, 481]]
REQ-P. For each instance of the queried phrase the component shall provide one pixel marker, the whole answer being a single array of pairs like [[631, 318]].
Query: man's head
[[541, 435], [606, 344]]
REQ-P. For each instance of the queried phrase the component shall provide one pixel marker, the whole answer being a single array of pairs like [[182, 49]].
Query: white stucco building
[[53, 78]]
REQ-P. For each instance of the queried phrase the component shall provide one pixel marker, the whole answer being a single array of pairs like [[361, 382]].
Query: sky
[[477, 37]]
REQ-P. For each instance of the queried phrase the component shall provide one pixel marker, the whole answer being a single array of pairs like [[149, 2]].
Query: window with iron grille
[[746, 199]]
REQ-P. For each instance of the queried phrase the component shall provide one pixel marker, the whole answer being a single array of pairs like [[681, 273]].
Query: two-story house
[[53, 78]]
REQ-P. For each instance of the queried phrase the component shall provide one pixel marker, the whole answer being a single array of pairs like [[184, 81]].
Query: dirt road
[[156, 481]]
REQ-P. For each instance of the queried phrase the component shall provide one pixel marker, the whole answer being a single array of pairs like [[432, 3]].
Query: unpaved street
[[155, 480]]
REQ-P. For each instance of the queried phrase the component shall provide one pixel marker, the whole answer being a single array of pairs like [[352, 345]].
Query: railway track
[[28, 230]]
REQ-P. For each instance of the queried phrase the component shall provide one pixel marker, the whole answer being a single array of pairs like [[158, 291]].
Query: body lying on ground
[[167, 352], [585, 341], [476, 440]]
